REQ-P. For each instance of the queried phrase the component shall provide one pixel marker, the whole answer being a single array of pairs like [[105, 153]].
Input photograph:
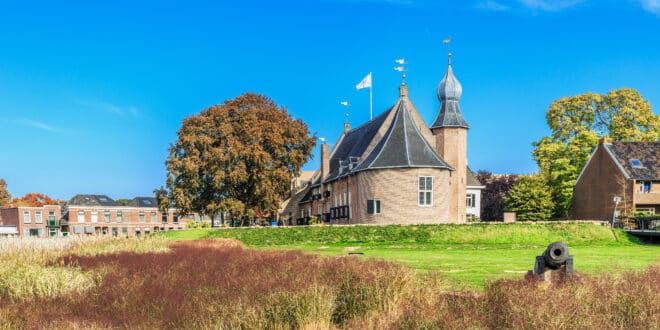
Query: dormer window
[[636, 163]]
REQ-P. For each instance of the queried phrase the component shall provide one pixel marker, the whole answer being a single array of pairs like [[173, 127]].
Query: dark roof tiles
[[143, 202], [403, 145], [648, 153], [92, 200]]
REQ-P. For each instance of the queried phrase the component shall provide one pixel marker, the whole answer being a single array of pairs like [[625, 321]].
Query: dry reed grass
[[218, 284]]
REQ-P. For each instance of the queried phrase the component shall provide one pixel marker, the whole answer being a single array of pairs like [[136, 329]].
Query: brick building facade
[[26, 221], [627, 170], [101, 215], [393, 169]]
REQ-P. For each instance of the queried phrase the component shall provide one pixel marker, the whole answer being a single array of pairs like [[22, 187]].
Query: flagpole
[[371, 99]]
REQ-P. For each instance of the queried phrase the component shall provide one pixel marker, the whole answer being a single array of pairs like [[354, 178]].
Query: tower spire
[[449, 92]]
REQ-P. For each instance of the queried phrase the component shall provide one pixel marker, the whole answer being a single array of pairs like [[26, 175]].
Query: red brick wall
[[594, 193]]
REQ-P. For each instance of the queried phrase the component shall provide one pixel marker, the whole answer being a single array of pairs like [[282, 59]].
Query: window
[[26, 217], [164, 218], [645, 210], [141, 215], [115, 231], [350, 212], [77, 229], [373, 206], [95, 216], [81, 216], [636, 163], [645, 187], [120, 216], [51, 215], [175, 218], [320, 209], [425, 191], [38, 218], [106, 216], [153, 217], [471, 200]]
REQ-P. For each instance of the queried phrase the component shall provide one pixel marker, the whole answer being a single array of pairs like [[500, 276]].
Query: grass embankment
[[466, 254], [217, 284]]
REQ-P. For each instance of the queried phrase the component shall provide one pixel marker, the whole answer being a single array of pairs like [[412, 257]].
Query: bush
[[530, 198]]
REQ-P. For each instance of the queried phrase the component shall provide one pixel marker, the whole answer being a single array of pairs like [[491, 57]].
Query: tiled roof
[[92, 200], [354, 144], [143, 202], [648, 154], [472, 178], [403, 145]]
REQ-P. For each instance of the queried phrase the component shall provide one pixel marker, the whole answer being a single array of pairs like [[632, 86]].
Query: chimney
[[325, 160], [347, 127], [605, 139]]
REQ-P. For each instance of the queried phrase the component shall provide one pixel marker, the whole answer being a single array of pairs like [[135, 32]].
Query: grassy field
[[466, 255], [157, 283]]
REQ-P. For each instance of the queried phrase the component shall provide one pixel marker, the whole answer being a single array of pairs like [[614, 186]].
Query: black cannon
[[555, 257]]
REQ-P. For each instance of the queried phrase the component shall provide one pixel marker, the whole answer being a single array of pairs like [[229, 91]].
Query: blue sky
[[91, 95]]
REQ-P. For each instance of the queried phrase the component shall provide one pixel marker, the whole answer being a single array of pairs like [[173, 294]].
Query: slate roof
[[403, 145], [472, 179], [648, 153], [143, 202], [449, 92], [354, 144], [92, 200]]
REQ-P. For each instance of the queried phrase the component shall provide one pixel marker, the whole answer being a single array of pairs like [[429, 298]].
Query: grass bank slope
[[512, 235]]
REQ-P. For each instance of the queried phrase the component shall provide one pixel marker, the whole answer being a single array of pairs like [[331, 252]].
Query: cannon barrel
[[556, 254]]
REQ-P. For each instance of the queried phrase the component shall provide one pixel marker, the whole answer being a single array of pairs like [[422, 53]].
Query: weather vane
[[401, 68], [345, 104], [447, 41]]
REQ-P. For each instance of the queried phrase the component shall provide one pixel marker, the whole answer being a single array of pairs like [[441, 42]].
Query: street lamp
[[617, 199]]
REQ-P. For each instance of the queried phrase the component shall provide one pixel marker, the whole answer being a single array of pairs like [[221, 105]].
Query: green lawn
[[466, 255]]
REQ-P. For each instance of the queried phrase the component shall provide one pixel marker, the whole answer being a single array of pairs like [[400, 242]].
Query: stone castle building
[[394, 169]]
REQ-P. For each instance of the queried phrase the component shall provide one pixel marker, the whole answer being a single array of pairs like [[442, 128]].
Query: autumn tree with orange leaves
[[235, 158], [34, 199], [5, 197]]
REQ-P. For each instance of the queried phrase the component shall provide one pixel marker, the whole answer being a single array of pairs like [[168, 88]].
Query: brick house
[[101, 215], [628, 170], [393, 169], [26, 221]]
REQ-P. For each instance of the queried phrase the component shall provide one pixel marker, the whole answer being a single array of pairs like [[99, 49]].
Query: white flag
[[401, 61], [344, 103], [446, 40], [365, 83]]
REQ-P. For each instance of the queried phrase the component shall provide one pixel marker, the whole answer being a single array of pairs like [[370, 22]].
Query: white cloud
[[111, 108], [533, 5], [652, 6], [37, 124], [491, 5], [550, 5]]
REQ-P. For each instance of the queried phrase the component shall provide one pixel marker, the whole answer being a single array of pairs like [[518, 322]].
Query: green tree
[[5, 197], [530, 198], [237, 158], [577, 123]]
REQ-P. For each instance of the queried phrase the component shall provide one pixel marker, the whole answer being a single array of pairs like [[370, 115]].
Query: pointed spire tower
[[450, 131]]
